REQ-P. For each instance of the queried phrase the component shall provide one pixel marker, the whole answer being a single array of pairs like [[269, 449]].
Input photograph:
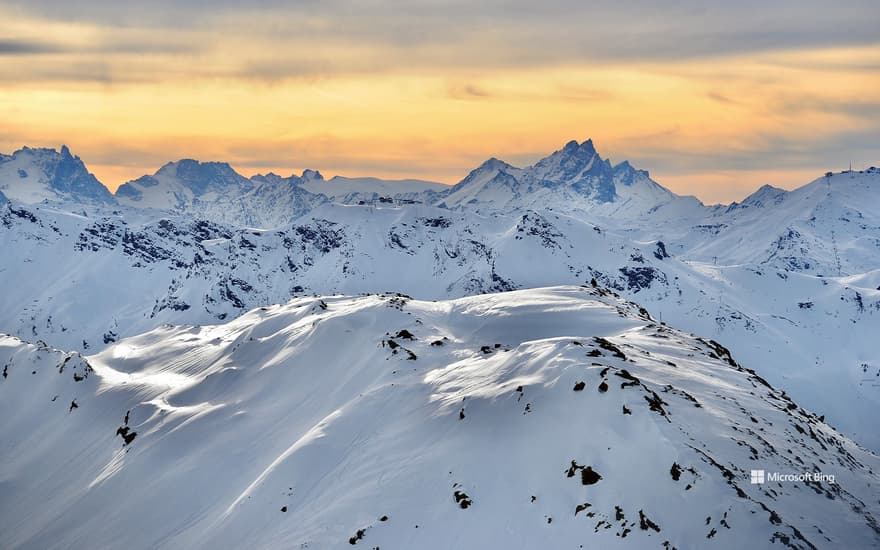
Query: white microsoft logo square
[[757, 477]]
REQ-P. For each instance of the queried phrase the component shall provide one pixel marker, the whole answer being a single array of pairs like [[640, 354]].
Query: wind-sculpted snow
[[547, 418]]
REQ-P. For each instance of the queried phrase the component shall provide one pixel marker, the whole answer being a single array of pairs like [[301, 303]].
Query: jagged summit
[[627, 174], [32, 175], [311, 175], [584, 150], [574, 177], [579, 166], [307, 175]]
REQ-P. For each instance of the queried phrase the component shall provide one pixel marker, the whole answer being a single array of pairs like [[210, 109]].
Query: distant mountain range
[[575, 176]]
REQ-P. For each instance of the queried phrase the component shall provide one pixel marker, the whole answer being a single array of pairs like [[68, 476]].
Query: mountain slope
[[34, 175], [808, 334], [826, 228], [544, 418]]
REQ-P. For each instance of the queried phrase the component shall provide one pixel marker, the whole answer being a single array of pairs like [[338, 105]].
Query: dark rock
[[589, 476], [462, 499]]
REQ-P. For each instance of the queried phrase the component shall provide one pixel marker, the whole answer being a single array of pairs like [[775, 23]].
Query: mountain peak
[[493, 163], [584, 148], [576, 173], [187, 166], [32, 175], [312, 175], [204, 177], [766, 195], [579, 166], [572, 157], [483, 174], [179, 183]]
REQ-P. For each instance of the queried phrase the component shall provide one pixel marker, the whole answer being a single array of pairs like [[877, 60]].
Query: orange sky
[[717, 125]]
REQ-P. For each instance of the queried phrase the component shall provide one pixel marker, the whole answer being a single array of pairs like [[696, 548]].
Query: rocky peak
[[35, 174]]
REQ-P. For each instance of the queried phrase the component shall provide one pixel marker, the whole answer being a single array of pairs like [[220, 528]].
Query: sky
[[714, 98]]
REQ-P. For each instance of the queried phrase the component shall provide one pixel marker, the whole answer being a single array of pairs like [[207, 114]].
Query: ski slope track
[[560, 417]]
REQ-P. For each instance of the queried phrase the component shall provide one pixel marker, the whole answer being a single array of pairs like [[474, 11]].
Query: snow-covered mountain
[[547, 418], [35, 175], [214, 191], [572, 179], [354, 190], [180, 185], [810, 333], [790, 281], [829, 227]]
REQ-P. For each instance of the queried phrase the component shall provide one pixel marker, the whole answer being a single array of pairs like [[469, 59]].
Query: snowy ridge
[[553, 417], [350, 190], [826, 228], [214, 191]]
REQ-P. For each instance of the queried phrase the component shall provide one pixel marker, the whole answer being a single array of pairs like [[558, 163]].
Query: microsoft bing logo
[[759, 477]]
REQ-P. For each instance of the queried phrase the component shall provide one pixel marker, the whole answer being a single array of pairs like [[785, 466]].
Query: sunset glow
[[414, 95]]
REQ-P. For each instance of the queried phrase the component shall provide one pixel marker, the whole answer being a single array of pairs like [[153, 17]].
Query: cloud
[[763, 151], [25, 47], [793, 105], [468, 91], [273, 40], [721, 98]]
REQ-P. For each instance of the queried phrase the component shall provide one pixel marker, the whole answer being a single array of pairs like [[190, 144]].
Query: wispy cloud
[[272, 40], [26, 47]]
